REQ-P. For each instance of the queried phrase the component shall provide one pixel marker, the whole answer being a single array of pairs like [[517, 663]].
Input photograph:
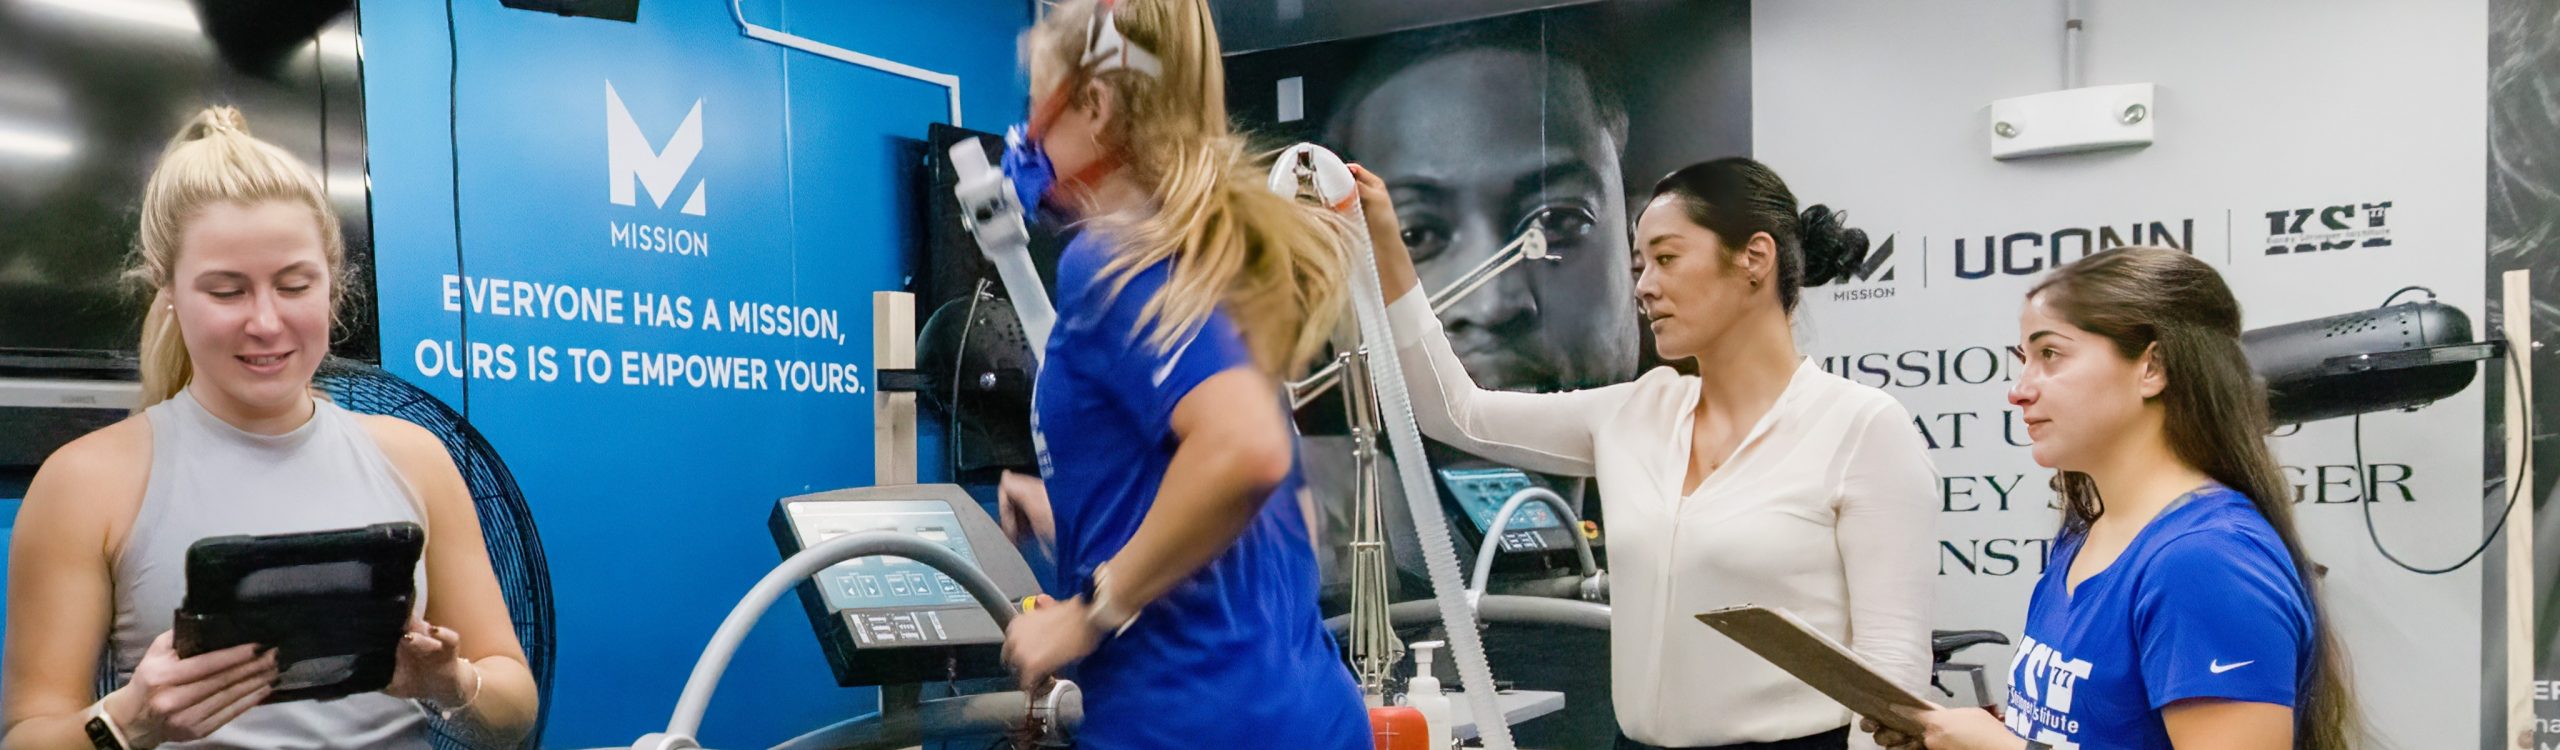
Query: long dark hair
[[2216, 420], [1737, 197]]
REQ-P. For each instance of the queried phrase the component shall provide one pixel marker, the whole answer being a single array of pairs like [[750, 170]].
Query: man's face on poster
[[1458, 139]]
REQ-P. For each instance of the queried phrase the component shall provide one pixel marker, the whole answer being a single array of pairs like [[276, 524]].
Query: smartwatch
[[1102, 611], [102, 729]]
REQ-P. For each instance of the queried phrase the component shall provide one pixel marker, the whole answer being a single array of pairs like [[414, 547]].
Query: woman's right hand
[[1947, 729], [179, 699], [1386, 233], [1888, 737], [1380, 210]]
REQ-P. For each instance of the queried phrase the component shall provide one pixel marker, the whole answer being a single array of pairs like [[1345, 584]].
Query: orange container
[[1398, 728]]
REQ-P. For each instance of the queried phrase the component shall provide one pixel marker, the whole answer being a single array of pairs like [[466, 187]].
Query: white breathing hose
[[696, 698], [1335, 187], [1595, 586], [992, 213]]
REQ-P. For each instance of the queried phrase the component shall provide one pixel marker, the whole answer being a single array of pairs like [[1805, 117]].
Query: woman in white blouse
[[1762, 480]]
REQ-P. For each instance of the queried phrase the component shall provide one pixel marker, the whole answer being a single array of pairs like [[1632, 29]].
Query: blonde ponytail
[[1278, 266], [212, 160], [165, 365]]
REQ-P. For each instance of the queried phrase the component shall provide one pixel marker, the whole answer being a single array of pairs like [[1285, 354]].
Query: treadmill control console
[[890, 620]]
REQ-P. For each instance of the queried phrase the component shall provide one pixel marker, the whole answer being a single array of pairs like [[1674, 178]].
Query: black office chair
[[1943, 645]]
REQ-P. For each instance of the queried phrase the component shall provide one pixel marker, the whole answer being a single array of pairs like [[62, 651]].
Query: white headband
[[1107, 50]]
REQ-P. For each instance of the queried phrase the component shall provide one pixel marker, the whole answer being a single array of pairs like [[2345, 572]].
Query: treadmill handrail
[[1492, 546], [696, 698]]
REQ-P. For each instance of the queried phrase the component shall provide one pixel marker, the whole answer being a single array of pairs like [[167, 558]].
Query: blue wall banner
[[643, 268]]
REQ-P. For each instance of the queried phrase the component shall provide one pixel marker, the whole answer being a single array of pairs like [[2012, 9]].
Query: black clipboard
[[333, 604], [1793, 645]]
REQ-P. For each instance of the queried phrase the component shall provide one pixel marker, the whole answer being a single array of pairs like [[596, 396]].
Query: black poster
[[1486, 121], [2524, 234]]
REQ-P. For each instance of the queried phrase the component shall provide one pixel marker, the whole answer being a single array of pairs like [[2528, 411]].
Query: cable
[[959, 358], [453, 146], [2405, 290], [2364, 476]]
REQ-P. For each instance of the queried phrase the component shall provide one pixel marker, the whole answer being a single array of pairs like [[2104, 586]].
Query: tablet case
[[333, 604]]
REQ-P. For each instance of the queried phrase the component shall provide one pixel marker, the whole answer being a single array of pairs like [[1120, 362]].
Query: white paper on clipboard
[[1789, 642]]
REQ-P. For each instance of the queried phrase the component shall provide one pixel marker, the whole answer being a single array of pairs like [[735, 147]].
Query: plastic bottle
[[1423, 694]]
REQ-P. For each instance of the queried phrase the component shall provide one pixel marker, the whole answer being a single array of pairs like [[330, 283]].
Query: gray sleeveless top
[[209, 478]]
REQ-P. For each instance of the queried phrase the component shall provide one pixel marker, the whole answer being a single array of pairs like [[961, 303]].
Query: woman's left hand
[[431, 666], [1047, 638], [1022, 509]]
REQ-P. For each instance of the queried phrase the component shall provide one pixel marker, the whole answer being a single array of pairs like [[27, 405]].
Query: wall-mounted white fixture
[[2077, 118], [2073, 120]]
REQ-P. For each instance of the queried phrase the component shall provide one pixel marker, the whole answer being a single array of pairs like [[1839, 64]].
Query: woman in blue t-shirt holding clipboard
[[2175, 611]]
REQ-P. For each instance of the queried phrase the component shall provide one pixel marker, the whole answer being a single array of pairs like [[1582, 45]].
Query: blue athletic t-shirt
[[2204, 604], [1235, 657]]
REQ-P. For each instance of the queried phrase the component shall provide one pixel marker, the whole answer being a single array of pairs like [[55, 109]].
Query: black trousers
[[1837, 739]]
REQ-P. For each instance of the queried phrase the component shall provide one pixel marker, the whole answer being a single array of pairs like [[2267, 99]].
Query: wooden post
[[2518, 313], [893, 415]]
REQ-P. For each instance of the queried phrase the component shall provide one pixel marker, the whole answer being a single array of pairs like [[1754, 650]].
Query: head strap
[[1106, 49]]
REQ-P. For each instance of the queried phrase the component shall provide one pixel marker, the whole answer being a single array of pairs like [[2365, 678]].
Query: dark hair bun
[[1831, 249]]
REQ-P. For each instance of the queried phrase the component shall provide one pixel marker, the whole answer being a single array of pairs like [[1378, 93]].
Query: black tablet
[[332, 603]]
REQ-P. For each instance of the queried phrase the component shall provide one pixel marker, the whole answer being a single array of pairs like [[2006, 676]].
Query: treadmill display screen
[[883, 582], [1483, 491]]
